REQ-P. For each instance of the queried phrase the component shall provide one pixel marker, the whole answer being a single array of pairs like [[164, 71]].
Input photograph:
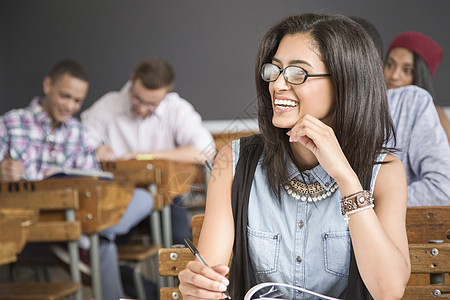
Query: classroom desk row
[[103, 202]]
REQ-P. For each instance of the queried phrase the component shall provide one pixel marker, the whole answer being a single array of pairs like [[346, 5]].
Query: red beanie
[[420, 44]]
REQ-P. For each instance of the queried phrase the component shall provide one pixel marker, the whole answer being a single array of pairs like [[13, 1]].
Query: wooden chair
[[14, 227], [428, 230], [173, 260], [67, 229], [134, 256], [164, 179]]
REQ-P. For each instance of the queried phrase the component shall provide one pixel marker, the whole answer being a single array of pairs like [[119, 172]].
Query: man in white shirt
[[146, 117]]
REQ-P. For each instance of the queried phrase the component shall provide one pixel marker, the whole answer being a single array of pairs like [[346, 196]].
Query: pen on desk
[[200, 259], [208, 164], [12, 155]]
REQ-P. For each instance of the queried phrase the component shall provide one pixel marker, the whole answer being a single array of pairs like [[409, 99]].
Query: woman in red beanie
[[412, 58]]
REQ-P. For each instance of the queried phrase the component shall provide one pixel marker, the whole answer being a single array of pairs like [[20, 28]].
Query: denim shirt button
[[301, 224], [299, 259]]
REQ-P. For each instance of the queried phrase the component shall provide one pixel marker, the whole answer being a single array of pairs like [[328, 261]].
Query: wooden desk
[[67, 230], [224, 138], [14, 227], [165, 180], [101, 204]]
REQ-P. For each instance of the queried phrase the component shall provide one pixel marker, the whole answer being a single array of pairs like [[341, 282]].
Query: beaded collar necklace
[[308, 192]]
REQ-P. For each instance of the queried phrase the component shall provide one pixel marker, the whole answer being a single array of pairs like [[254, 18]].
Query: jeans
[[180, 222], [139, 208]]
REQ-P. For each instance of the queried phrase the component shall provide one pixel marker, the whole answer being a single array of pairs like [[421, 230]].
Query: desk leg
[[74, 271], [138, 281], [74, 257], [155, 223], [167, 234], [167, 226], [95, 267]]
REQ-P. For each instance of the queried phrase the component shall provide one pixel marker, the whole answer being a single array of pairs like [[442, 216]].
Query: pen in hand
[[200, 259]]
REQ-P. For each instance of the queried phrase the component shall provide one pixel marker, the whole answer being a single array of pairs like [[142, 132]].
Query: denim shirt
[[300, 243]]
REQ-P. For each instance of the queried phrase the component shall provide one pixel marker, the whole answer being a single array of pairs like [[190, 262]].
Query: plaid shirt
[[26, 135]]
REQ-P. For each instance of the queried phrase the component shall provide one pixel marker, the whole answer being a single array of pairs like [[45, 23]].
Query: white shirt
[[175, 123]]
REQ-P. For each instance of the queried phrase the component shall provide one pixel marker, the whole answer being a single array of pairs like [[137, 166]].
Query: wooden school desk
[[101, 204], [165, 179], [14, 227]]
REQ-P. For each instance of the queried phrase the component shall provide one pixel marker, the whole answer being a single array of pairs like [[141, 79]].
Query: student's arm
[[190, 132], [216, 238], [105, 153], [379, 235], [429, 159], [445, 122], [85, 156], [10, 169], [184, 154]]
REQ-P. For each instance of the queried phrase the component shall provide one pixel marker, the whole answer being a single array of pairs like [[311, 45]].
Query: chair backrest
[[63, 228], [428, 230], [173, 260], [14, 227]]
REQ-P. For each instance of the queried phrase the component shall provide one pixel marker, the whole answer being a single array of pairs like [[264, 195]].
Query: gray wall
[[212, 44]]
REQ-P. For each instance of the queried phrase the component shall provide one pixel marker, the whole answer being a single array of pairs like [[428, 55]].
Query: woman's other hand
[[198, 281]]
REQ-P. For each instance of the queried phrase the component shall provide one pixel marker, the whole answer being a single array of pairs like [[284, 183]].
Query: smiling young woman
[[315, 200]]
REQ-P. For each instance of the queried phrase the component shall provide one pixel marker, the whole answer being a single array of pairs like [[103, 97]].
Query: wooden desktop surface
[[172, 178]]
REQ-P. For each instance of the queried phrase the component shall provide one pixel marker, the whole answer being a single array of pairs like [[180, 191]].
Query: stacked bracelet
[[355, 203]]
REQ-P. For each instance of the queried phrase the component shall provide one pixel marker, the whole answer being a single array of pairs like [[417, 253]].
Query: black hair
[[68, 66], [372, 32], [360, 117], [422, 75], [155, 73]]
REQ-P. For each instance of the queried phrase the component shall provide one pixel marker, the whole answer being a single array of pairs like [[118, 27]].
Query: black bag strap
[[240, 272]]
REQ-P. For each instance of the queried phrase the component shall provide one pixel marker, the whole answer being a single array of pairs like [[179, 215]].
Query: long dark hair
[[422, 75], [360, 117]]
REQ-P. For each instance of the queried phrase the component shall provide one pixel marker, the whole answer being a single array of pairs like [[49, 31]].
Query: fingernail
[[222, 288], [225, 281]]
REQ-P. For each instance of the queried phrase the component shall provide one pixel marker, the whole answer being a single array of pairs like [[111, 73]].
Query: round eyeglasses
[[292, 74]]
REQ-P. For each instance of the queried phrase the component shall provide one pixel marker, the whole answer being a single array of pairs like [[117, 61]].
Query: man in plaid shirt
[[44, 136], [36, 140]]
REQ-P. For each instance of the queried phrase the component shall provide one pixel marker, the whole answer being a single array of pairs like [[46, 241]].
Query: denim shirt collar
[[316, 174]]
